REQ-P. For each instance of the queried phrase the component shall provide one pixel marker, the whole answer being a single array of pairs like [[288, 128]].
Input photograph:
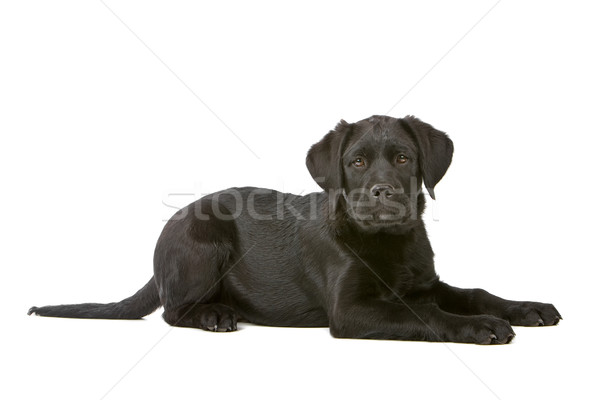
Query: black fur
[[355, 258]]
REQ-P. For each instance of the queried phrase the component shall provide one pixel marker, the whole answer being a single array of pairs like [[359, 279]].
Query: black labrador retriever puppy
[[355, 257]]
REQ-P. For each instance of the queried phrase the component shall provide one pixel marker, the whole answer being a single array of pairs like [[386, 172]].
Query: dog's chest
[[394, 275]]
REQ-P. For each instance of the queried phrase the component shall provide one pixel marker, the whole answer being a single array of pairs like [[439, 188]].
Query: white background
[[105, 121]]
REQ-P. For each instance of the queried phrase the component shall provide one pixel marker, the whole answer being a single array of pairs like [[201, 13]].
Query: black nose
[[382, 190]]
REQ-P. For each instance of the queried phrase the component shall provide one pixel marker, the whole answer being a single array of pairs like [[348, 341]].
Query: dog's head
[[376, 169]]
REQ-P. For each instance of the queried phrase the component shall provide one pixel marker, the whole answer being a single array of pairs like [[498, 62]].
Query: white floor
[[75, 359]]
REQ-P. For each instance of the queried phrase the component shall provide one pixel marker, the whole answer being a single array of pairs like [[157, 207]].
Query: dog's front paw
[[486, 329], [528, 313]]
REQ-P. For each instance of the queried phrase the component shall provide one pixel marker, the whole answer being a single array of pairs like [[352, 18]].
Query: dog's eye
[[401, 159], [359, 162]]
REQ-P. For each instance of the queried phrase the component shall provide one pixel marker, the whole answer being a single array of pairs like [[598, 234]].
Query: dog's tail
[[144, 302]]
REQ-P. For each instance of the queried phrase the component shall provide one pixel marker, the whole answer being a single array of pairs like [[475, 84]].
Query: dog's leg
[[379, 319], [358, 310], [191, 261], [210, 317], [478, 301]]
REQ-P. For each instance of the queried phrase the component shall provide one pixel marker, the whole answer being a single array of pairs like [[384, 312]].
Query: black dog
[[355, 258]]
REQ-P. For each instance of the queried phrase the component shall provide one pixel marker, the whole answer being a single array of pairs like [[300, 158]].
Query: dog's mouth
[[378, 213], [392, 224], [380, 219], [382, 216]]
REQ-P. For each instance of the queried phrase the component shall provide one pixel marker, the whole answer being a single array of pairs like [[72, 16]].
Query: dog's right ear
[[324, 159]]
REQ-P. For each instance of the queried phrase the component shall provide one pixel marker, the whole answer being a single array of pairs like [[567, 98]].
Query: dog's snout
[[382, 190]]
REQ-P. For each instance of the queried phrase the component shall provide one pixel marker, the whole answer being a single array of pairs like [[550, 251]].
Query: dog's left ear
[[324, 158], [435, 151]]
